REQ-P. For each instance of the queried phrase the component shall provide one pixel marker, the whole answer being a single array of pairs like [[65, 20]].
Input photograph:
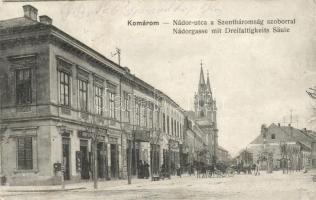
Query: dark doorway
[[135, 161], [154, 158], [66, 157], [85, 159], [114, 161], [101, 156]]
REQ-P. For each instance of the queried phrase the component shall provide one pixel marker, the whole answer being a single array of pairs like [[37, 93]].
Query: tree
[[312, 94]]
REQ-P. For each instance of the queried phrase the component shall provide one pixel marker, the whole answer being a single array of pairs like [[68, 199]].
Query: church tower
[[204, 104], [206, 113]]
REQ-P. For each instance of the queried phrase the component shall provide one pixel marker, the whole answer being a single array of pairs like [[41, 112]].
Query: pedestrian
[[146, 170], [178, 170], [140, 169], [257, 169]]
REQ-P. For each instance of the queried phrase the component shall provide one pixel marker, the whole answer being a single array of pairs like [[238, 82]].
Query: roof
[[221, 148], [285, 133], [17, 22], [190, 114]]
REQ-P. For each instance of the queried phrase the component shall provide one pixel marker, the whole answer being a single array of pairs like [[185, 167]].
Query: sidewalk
[[88, 185]]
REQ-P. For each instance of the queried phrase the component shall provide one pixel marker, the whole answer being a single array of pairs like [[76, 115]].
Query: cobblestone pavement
[[276, 186]]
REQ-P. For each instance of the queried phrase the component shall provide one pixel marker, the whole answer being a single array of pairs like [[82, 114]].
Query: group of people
[[143, 169]]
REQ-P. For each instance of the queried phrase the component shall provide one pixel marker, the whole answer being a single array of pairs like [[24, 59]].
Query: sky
[[256, 79]]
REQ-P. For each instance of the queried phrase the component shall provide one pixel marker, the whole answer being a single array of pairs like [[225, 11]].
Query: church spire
[[208, 85], [202, 80]]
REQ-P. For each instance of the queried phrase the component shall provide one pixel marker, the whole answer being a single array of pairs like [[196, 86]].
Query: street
[[277, 186]]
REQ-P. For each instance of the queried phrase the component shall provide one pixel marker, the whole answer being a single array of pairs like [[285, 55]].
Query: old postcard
[[158, 99]]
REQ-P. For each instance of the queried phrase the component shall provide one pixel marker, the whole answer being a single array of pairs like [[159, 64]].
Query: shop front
[[174, 155], [142, 153]]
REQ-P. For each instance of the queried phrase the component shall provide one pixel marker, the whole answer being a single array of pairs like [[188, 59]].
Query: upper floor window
[[181, 135], [24, 153], [145, 123], [172, 126], [175, 127], [83, 95], [150, 120], [126, 105], [178, 131], [168, 125], [137, 111], [273, 136], [164, 122], [112, 104], [64, 78], [98, 99], [23, 86]]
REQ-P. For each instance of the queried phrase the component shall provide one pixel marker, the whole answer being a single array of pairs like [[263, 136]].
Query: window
[[127, 106], [157, 120], [25, 153], [145, 124], [112, 104], [175, 127], [23, 86], [150, 122], [137, 112], [98, 98], [83, 95], [181, 136], [172, 129], [64, 78], [164, 122], [178, 132], [168, 126], [273, 136]]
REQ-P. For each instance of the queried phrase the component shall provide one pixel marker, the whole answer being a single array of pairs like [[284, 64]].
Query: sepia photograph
[[160, 99]]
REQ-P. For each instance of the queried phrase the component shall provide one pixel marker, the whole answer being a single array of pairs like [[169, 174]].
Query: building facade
[[279, 147], [63, 102]]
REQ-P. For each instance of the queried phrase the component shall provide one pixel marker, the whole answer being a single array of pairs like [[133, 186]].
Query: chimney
[[30, 12], [289, 125], [45, 20], [127, 69], [279, 124]]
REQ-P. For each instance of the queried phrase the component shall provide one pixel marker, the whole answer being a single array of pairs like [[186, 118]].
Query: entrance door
[[114, 161], [85, 159], [101, 156], [66, 158]]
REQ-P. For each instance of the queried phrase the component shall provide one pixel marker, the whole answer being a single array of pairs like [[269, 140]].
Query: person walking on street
[[257, 169]]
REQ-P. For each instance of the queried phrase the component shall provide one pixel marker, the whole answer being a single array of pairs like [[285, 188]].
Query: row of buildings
[[281, 147], [63, 102]]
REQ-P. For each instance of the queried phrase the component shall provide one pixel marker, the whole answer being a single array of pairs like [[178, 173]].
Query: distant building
[[222, 155], [283, 146]]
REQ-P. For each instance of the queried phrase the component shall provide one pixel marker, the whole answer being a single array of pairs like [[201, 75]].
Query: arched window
[[273, 136]]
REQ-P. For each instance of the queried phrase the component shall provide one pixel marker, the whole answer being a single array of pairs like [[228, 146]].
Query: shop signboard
[[142, 136]]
